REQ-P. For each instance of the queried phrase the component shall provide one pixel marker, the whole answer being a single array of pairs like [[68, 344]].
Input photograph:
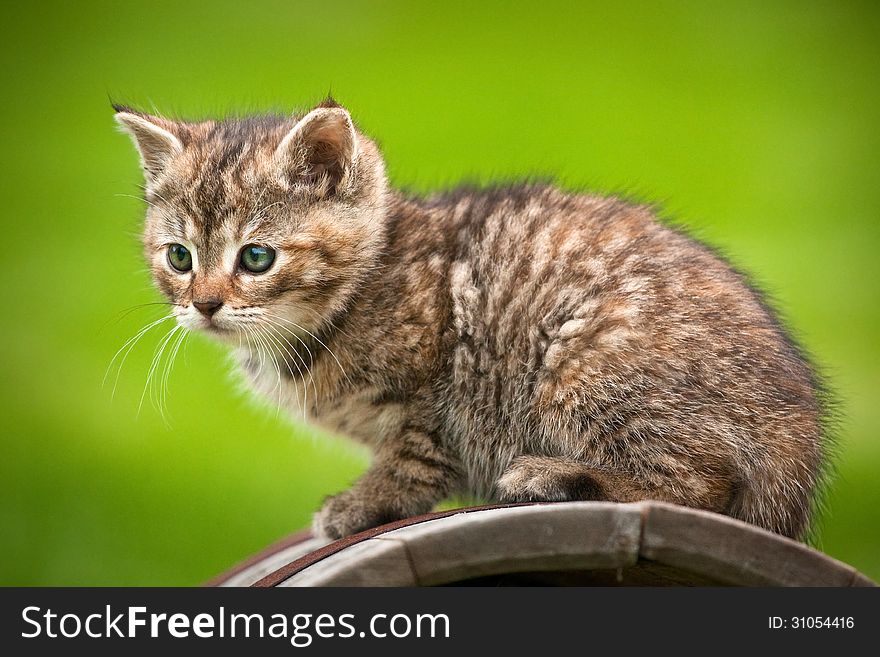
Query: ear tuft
[[329, 102], [117, 107], [321, 149], [156, 139]]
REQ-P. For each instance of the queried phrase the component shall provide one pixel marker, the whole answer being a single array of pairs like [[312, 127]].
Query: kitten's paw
[[349, 513], [526, 484], [546, 479]]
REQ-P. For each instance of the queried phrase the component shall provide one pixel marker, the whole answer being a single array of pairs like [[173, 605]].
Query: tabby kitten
[[514, 343]]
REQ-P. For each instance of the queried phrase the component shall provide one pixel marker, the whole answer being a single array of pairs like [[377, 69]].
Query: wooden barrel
[[559, 544]]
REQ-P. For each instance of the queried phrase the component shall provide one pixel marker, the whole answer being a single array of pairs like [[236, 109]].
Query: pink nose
[[208, 307]]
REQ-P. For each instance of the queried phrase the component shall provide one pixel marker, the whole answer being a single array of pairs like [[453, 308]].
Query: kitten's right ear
[[321, 148], [156, 139]]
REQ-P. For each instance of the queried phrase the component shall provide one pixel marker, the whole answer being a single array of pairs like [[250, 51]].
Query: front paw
[[349, 513]]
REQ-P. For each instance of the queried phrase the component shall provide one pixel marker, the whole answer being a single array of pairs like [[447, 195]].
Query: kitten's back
[[593, 331]]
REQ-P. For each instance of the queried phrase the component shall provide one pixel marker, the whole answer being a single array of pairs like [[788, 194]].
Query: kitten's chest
[[361, 415]]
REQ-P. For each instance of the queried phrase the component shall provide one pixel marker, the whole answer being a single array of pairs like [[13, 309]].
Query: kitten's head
[[259, 220]]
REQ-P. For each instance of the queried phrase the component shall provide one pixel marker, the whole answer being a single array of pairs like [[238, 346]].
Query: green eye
[[257, 259], [179, 257]]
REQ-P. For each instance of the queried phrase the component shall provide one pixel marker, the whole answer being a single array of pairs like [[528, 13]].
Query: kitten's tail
[[778, 495]]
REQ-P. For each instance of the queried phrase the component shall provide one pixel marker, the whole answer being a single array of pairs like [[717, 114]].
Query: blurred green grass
[[755, 124]]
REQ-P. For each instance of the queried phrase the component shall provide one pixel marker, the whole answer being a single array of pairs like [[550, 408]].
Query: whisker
[[320, 319], [130, 343], [253, 339], [272, 320], [156, 392], [277, 368], [169, 367], [293, 380], [125, 312], [157, 356], [316, 338], [138, 198], [308, 368], [278, 340], [275, 339], [154, 193], [282, 332], [264, 350]]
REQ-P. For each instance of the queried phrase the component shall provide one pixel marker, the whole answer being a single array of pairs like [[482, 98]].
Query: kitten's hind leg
[[548, 479], [554, 479]]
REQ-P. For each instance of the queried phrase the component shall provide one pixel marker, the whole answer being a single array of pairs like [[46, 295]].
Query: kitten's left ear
[[321, 149], [157, 139]]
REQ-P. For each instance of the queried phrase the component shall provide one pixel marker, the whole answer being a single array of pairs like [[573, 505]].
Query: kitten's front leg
[[409, 476]]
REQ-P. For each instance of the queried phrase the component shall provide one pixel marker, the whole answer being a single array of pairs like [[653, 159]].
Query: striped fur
[[512, 343]]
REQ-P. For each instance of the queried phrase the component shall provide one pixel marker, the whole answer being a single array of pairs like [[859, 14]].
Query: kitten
[[514, 343]]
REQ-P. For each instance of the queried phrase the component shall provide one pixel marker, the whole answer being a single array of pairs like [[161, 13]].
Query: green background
[[754, 124]]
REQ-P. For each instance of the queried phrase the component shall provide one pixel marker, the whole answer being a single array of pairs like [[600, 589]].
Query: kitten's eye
[[179, 257], [257, 259]]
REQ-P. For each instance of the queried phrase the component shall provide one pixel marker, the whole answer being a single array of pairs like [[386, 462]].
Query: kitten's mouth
[[213, 327], [223, 334], [210, 326]]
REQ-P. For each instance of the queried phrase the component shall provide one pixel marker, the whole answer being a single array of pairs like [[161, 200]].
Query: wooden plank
[[271, 562], [541, 537], [306, 561], [730, 551], [861, 580], [373, 562], [580, 543]]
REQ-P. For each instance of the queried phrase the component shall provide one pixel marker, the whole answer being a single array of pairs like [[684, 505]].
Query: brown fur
[[514, 343]]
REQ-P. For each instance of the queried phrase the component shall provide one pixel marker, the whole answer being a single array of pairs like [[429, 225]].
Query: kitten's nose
[[208, 307]]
